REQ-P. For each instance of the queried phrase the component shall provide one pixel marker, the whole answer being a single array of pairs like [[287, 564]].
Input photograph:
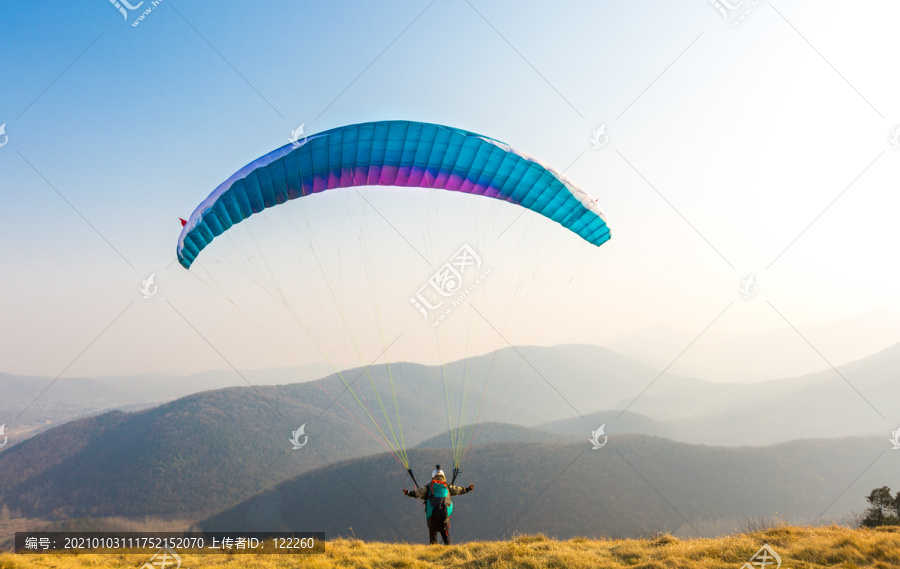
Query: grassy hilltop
[[799, 548]]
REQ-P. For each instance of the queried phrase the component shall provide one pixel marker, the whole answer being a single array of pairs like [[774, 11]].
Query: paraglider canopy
[[393, 153]]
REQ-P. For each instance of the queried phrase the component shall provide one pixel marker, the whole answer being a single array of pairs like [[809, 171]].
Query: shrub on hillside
[[884, 509]]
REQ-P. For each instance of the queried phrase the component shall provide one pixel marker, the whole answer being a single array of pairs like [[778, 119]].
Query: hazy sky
[[758, 148]]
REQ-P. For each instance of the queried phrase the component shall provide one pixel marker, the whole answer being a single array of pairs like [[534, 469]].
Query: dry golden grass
[[799, 547]]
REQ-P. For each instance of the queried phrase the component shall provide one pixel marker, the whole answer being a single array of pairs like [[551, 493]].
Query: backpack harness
[[437, 500]]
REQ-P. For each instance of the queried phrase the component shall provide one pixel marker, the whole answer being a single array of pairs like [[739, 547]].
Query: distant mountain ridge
[[182, 458], [590, 379], [636, 485], [617, 422], [774, 354], [486, 433], [69, 398]]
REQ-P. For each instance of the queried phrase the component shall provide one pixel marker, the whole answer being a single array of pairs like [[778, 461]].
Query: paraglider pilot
[[438, 507]]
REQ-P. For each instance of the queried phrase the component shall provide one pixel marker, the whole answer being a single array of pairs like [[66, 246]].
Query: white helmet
[[437, 470]]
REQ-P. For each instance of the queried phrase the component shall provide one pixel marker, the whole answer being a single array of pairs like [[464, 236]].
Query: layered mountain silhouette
[[199, 455], [636, 485]]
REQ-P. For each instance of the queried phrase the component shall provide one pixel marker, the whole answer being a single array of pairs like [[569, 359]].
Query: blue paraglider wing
[[393, 153]]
